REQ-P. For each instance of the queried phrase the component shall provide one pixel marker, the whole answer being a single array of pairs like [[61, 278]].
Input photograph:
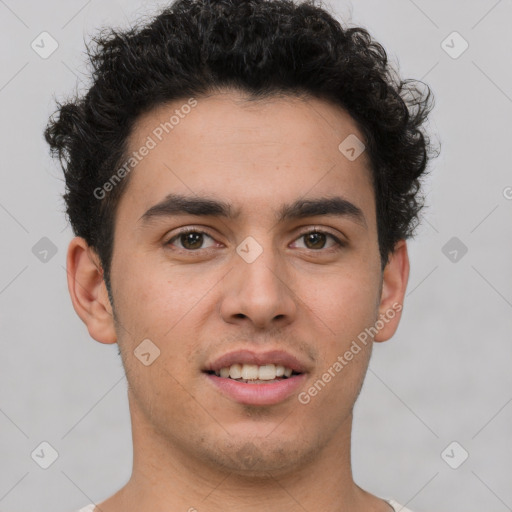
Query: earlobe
[[394, 284], [88, 291]]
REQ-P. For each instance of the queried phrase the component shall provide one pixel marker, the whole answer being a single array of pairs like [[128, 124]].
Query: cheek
[[152, 297], [343, 303], [161, 303], [153, 307], [328, 399], [158, 394]]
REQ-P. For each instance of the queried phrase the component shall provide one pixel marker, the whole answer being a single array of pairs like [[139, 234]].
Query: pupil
[[314, 238], [192, 240]]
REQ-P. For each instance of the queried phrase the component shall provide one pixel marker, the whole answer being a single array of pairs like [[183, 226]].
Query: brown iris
[[317, 240], [191, 240]]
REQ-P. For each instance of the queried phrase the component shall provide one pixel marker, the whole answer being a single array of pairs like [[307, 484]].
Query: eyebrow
[[176, 204]]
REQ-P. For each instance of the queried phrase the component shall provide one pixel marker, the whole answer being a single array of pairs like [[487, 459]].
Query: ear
[[394, 283], [88, 291]]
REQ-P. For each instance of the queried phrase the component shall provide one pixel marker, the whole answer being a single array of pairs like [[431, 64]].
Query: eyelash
[[339, 244]]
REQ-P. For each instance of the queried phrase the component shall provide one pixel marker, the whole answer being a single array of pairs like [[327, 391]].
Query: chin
[[257, 458]]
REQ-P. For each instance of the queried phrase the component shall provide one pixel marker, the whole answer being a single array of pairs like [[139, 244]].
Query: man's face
[[252, 287]]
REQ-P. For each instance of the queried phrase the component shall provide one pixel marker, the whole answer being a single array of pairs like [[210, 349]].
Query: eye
[[191, 240], [316, 240]]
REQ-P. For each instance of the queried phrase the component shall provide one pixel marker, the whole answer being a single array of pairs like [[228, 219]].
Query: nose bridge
[[258, 287], [260, 268]]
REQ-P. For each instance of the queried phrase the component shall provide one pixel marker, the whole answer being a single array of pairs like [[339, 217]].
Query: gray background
[[444, 377]]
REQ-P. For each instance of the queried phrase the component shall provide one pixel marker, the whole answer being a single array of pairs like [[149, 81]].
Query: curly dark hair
[[263, 48]]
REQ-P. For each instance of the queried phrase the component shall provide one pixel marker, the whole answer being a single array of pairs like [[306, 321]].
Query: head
[[292, 153]]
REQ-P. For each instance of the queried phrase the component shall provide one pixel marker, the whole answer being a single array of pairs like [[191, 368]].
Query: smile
[[253, 378]]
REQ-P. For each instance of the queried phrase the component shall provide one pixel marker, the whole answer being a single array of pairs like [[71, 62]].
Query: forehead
[[252, 154]]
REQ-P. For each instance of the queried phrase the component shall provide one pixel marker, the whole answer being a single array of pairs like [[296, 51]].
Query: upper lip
[[245, 356]]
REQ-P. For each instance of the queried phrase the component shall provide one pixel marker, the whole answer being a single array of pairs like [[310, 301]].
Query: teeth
[[267, 372], [235, 371], [250, 371], [253, 372]]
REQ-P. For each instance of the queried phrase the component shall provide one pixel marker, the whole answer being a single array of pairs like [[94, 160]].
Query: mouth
[[254, 378]]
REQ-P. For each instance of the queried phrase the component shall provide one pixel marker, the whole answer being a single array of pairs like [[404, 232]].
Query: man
[[242, 177]]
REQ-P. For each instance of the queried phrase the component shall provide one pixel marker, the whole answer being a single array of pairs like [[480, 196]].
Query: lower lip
[[258, 394]]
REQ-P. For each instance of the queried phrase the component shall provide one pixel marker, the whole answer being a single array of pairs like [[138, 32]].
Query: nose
[[258, 293]]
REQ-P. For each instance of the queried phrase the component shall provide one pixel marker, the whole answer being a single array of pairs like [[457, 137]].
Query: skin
[[193, 446]]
